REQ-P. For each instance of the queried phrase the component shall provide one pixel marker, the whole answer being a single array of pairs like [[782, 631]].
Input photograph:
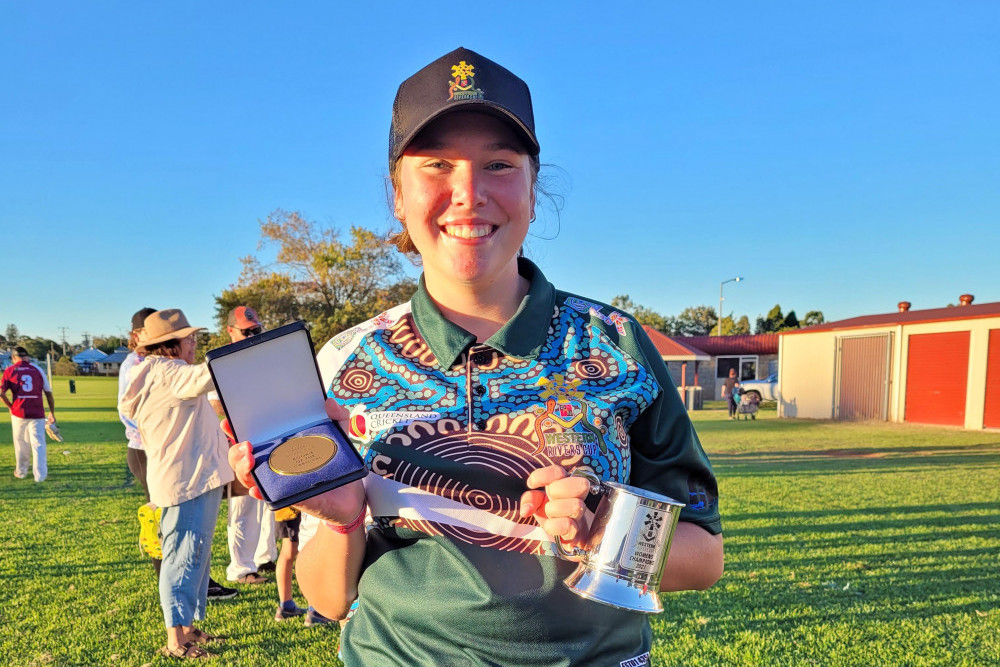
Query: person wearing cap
[[165, 398], [473, 402], [251, 528], [26, 382]]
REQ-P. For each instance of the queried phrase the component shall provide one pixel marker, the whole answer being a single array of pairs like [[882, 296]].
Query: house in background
[[937, 366], [683, 363], [110, 364], [754, 356], [85, 360], [705, 361]]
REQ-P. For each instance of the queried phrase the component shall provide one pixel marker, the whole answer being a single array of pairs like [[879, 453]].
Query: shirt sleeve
[[667, 456], [46, 386], [190, 381], [131, 430]]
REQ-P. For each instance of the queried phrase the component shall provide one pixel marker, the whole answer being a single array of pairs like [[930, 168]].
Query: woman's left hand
[[555, 499]]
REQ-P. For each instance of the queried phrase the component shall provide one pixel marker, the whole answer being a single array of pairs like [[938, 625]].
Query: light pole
[[718, 327]]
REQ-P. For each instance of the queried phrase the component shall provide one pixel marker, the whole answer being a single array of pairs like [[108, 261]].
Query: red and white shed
[[936, 366]]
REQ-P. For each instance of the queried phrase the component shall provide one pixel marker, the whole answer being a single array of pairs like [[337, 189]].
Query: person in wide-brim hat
[[166, 398], [164, 325]]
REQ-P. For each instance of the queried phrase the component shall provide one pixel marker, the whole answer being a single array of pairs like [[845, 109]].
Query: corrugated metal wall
[[937, 378], [991, 415], [862, 379]]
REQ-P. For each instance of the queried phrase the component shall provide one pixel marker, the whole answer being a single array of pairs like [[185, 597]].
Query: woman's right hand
[[340, 505]]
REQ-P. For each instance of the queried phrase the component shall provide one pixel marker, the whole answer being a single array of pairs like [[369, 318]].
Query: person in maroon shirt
[[25, 382]]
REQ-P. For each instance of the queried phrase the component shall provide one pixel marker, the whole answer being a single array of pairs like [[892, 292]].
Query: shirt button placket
[[480, 358]]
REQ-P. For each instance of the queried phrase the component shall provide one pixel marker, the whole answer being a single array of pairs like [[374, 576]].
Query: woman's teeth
[[468, 231]]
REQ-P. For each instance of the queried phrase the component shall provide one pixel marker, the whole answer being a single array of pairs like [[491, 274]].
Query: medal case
[[271, 390]]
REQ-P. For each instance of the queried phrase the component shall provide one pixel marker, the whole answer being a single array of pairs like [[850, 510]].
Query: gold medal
[[301, 455]]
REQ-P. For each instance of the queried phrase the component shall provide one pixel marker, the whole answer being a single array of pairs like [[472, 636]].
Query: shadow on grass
[[843, 460], [80, 482], [876, 511]]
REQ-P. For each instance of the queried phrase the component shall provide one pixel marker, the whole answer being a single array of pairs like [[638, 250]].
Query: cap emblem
[[463, 87]]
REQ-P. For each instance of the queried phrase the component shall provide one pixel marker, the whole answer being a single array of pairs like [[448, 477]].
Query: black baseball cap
[[139, 319], [462, 79]]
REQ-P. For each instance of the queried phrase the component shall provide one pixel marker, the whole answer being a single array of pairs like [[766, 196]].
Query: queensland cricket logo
[[651, 526], [364, 426], [463, 86]]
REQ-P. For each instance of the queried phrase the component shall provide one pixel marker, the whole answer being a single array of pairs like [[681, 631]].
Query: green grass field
[[846, 544]]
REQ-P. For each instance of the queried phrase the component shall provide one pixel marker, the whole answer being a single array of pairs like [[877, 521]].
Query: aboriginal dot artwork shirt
[[450, 429]]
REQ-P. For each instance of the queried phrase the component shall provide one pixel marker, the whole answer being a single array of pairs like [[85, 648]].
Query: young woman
[[186, 468], [474, 401]]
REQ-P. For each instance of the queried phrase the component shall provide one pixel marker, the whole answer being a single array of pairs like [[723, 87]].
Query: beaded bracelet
[[350, 527]]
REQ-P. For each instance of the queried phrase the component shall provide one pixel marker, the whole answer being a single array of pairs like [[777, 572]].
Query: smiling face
[[464, 191]]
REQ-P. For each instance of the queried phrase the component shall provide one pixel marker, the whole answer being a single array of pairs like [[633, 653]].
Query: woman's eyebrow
[[504, 146]]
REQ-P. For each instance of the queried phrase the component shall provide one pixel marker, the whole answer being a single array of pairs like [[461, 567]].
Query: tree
[[776, 321], [107, 344], [730, 328], [643, 315], [37, 347], [696, 321], [64, 366], [773, 322], [813, 317], [316, 277], [11, 334]]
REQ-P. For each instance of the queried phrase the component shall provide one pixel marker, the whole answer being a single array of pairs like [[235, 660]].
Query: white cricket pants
[[252, 536], [29, 447]]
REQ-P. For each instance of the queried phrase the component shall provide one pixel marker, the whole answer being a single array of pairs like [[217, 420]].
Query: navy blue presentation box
[[273, 396]]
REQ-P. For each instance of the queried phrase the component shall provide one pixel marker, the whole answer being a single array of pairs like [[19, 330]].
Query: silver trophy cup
[[621, 563]]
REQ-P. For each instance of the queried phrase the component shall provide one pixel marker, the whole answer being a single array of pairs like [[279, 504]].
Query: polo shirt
[[450, 429], [27, 383]]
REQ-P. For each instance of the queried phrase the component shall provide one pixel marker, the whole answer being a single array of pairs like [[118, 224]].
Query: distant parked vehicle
[[766, 389]]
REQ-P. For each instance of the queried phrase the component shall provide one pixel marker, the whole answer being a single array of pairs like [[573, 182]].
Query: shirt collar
[[521, 337]]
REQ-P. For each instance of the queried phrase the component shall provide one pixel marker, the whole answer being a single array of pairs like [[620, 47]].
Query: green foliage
[[847, 544], [643, 315], [107, 344], [316, 277], [776, 321], [696, 321], [37, 348], [813, 317], [11, 334], [730, 328], [64, 366]]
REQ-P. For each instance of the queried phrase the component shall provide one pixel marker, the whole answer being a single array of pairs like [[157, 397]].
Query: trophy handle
[[576, 554]]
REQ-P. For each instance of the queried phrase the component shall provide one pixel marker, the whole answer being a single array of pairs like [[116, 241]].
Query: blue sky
[[840, 156]]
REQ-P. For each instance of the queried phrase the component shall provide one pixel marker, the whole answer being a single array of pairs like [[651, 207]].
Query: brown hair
[[168, 348]]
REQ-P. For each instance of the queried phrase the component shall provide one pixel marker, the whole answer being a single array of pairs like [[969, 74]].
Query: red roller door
[[991, 417], [937, 376]]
